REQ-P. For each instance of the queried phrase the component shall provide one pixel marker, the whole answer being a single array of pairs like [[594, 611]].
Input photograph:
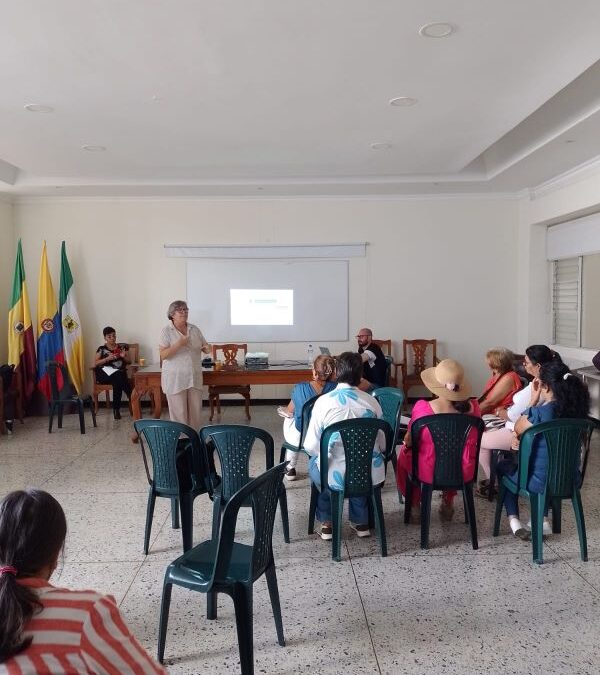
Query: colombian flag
[[71, 325], [21, 347], [49, 341]]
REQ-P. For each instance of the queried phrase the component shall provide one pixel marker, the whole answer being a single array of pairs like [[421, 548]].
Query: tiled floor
[[446, 610]]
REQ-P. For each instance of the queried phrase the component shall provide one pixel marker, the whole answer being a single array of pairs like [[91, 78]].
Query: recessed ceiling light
[[381, 146], [94, 148], [403, 101], [38, 107], [436, 30]]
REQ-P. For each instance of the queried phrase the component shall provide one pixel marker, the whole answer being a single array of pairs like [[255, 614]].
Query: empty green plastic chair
[[358, 437], [234, 443], [179, 472], [65, 395], [565, 439], [391, 399], [450, 432], [306, 413], [226, 566]]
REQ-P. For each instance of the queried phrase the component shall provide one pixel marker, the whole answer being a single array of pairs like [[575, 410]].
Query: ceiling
[[276, 97]]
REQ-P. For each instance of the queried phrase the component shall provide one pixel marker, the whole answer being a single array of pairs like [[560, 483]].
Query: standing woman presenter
[[181, 345]]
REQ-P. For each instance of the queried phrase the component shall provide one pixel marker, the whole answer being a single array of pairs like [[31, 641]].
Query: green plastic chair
[[234, 443], [391, 399], [358, 438], [179, 472], [306, 413], [226, 566], [565, 439], [60, 397], [449, 432]]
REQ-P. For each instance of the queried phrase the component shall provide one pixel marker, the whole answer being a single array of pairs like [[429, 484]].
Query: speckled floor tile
[[462, 614], [113, 578], [446, 610], [323, 620]]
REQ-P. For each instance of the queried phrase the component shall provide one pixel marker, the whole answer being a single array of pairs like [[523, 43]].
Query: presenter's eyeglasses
[[182, 310]]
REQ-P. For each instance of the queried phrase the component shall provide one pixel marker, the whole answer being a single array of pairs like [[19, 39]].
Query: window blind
[[566, 302]]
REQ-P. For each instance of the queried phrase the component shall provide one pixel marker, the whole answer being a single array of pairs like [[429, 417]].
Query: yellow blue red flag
[[49, 335]]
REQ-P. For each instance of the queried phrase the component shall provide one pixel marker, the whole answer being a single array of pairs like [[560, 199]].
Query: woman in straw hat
[[447, 381]]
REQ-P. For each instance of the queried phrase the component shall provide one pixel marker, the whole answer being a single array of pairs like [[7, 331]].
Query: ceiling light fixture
[[94, 148], [381, 146], [38, 107], [436, 30], [403, 101]]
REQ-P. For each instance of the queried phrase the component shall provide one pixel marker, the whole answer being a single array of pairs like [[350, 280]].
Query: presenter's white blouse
[[344, 403], [183, 370]]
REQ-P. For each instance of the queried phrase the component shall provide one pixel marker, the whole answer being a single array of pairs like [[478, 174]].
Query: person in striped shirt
[[44, 629]]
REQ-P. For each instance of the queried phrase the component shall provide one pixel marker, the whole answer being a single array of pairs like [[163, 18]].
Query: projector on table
[[256, 360]]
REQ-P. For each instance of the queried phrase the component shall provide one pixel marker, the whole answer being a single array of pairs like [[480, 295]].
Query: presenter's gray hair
[[174, 306]]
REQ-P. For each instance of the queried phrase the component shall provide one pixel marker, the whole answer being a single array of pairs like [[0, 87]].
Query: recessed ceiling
[[198, 97]]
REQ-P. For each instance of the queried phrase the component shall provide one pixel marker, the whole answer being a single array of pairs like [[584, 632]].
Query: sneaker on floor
[[518, 530], [446, 511], [361, 530], [290, 474], [325, 531], [546, 528]]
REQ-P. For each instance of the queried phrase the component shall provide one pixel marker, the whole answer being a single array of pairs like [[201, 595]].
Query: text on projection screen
[[261, 307]]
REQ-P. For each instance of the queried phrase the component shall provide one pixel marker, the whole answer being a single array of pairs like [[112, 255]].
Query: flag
[[21, 347], [49, 341], [71, 325]]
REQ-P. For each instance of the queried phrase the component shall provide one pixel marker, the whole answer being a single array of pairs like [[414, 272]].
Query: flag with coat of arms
[[21, 345], [71, 325], [49, 334]]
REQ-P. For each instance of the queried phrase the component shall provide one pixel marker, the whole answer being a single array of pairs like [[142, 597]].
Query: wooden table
[[147, 381]]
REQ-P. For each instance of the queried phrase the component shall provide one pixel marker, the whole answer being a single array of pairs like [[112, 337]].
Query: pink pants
[[403, 468], [497, 439]]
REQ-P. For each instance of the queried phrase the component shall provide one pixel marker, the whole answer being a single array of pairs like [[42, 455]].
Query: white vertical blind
[[566, 302]]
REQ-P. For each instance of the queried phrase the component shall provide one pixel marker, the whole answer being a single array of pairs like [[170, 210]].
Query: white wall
[[573, 198], [7, 267], [443, 268]]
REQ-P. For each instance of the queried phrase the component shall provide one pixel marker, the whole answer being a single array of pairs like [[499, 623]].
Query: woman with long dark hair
[[44, 629], [557, 393]]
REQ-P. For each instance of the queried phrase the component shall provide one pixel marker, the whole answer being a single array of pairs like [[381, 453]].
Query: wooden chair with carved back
[[230, 362], [417, 355], [134, 351]]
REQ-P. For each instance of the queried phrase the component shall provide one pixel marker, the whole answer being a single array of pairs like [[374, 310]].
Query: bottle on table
[[310, 356]]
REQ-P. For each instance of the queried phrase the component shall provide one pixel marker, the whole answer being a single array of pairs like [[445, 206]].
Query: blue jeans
[[508, 467], [359, 513]]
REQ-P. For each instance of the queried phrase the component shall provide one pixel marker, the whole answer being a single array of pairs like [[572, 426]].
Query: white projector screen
[[269, 301]]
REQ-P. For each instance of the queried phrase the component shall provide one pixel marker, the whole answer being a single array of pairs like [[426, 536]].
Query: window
[[575, 307]]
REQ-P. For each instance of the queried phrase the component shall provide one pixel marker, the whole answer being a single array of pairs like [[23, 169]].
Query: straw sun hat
[[447, 380]]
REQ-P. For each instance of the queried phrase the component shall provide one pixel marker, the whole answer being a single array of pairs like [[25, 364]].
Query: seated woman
[[503, 384], [323, 381], [500, 439], [44, 629], [555, 393], [446, 381], [111, 367]]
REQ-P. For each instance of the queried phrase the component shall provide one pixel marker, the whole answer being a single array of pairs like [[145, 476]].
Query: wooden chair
[[134, 352], [230, 362], [415, 360]]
